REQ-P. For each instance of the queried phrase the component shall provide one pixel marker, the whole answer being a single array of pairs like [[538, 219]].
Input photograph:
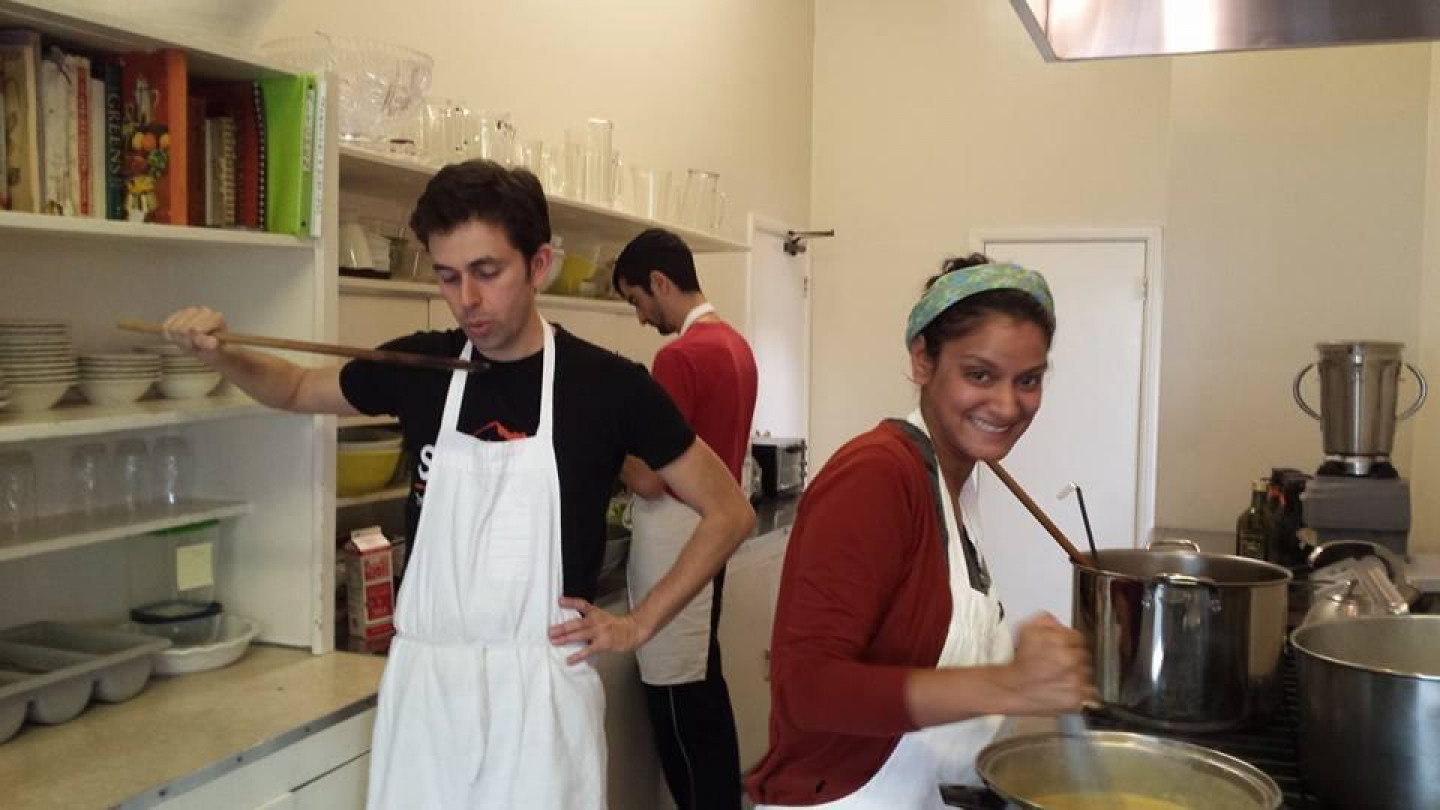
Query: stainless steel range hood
[[1065, 30]]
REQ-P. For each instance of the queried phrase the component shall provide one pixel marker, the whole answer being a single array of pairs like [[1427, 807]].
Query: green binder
[[289, 103]]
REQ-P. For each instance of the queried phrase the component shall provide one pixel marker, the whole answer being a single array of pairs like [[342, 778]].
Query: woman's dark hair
[[510, 199], [656, 249], [965, 316]]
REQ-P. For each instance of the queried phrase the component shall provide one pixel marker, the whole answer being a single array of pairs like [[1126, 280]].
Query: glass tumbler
[[650, 189], [174, 469], [17, 492], [599, 162], [89, 476], [132, 473]]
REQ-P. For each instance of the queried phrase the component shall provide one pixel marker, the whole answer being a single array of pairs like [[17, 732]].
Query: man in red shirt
[[709, 372]]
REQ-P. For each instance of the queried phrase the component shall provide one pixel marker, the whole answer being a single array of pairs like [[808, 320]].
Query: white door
[[1095, 426], [778, 328]]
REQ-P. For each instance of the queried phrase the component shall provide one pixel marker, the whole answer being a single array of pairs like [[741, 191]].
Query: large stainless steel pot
[[1183, 640], [1370, 711], [1031, 767]]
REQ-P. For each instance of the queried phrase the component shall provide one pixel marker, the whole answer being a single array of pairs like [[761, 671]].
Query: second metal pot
[[1182, 640]]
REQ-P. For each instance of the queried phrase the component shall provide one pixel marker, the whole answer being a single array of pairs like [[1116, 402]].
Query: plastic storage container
[[184, 623], [190, 561]]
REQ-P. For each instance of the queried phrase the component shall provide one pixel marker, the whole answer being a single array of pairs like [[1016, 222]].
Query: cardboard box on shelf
[[370, 586]]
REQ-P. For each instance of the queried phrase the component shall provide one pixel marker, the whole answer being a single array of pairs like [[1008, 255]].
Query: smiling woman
[[891, 663]]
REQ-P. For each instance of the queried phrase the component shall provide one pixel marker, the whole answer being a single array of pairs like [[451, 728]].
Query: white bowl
[[114, 392], [189, 386], [27, 398], [235, 635]]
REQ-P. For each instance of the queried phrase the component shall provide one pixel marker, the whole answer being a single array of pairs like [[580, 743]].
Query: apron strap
[[455, 395], [975, 569], [694, 315]]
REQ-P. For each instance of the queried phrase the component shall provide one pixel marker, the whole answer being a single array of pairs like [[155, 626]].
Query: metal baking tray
[[50, 671]]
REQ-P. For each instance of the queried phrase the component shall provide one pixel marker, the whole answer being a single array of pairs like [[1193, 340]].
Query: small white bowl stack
[[182, 376], [38, 361], [117, 378]]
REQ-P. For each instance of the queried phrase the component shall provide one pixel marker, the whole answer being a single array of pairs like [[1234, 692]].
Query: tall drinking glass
[[17, 492], [89, 477], [174, 469], [132, 473]]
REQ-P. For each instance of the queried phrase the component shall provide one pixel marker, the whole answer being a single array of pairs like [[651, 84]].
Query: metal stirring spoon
[[1084, 516]]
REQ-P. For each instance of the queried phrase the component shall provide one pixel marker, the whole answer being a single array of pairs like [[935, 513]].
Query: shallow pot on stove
[[1111, 770], [1182, 640]]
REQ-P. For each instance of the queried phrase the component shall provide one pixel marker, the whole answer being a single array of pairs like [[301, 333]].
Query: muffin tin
[[50, 671]]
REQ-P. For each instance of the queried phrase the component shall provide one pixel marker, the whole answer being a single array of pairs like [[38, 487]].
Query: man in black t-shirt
[[487, 698]]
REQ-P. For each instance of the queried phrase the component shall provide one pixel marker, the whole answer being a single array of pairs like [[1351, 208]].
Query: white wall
[[1426, 430], [1290, 186], [716, 84], [932, 123], [1294, 215]]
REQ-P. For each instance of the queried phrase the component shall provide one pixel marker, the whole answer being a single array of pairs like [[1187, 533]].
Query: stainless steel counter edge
[[209, 773]]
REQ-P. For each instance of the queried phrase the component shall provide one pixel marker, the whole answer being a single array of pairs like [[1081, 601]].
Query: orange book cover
[[154, 133]]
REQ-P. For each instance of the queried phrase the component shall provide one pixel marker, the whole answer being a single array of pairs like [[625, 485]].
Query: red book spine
[[156, 135], [82, 119]]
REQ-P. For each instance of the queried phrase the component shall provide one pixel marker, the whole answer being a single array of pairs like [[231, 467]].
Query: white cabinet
[[271, 474], [341, 788], [441, 318], [327, 769], [752, 583], [370, 320]]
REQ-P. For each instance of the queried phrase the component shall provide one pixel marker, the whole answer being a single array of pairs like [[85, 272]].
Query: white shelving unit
[[420, 289], [395, 493], [85, 420], [379, 175], [67, 531], [15, 224], [365, 421], [268, 475]]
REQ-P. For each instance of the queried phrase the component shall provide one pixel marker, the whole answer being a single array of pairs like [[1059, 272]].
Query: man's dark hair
[[510, 199], [656, 249], [964, 317]]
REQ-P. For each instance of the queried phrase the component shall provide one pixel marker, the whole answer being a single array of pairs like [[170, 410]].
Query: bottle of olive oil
[[1252, 529]]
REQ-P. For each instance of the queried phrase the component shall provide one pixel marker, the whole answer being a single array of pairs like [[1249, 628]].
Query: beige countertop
[[179, 726]]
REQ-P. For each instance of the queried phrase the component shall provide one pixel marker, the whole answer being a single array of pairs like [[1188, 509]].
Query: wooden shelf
[[85, 420], [394, 493], [70, 228], [420, 289], [83, 24], [60, 532], [375, 174]]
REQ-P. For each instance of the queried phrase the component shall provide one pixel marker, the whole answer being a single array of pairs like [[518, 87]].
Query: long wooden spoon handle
[[373, 355]]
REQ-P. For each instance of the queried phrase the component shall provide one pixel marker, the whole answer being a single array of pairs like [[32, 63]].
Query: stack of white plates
[[38, 360], [4, 392], [117, 379], [183, 376]]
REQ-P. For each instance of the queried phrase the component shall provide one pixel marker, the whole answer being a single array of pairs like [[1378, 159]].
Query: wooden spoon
[[387, 356]]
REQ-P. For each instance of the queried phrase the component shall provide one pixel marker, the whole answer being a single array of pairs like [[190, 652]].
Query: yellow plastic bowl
[[366, 460]]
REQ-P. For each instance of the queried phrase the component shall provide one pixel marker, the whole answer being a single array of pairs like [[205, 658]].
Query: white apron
[[680, 652], [925, 759], [477, 709]]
